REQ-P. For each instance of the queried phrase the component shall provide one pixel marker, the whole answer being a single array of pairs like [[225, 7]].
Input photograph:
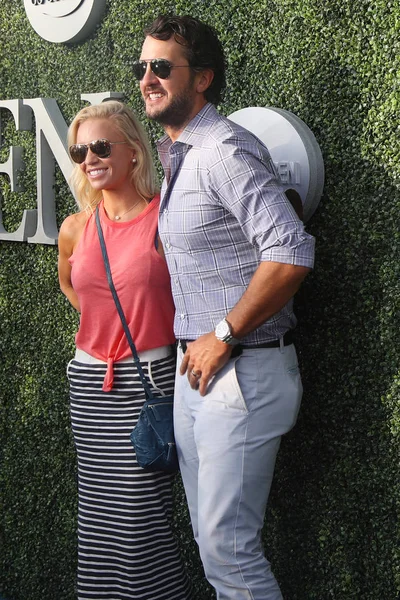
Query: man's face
[[172, 102]]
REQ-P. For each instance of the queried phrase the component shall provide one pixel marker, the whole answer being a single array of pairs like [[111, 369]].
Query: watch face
[[222, 330]]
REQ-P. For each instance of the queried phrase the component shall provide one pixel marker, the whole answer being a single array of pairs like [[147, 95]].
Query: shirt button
[[176, 280], [168, 245], [182, 317]]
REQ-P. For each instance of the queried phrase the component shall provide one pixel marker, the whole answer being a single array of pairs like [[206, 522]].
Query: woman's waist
[[144, 356]]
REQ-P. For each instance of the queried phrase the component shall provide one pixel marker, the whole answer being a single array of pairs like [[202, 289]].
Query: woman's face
[[109, 173]]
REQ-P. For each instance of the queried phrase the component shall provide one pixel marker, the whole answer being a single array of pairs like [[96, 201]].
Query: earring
[[134, 160]]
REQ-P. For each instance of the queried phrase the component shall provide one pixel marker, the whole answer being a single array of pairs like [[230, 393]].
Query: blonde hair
[[143, 174]]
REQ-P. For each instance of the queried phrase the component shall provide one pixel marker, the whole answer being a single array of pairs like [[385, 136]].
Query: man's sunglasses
[[102, 149], [161, 68]]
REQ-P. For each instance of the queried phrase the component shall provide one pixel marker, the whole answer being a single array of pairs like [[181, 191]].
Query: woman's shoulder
[[73, 226]]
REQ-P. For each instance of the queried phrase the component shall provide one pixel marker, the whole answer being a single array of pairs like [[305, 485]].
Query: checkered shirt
[[222, 212]]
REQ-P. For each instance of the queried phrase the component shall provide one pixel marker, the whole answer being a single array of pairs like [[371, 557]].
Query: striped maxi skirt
[[126, 549]]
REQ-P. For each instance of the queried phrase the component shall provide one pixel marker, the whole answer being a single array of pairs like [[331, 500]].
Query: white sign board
[[67, 21]]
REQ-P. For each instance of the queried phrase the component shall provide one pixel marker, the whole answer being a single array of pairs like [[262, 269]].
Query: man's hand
[[203, 359]]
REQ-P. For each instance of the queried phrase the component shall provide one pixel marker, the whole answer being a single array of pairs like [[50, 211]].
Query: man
[[237, 254]]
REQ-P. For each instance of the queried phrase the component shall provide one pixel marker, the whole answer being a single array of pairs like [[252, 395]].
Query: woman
[[126, 548]]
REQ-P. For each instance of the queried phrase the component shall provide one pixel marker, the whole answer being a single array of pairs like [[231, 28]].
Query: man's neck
[[174, 132]]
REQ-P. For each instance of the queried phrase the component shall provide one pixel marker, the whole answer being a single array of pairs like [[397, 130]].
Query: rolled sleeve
[[298, 251]]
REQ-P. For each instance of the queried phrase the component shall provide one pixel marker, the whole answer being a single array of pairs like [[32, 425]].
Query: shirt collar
[[195, 131]]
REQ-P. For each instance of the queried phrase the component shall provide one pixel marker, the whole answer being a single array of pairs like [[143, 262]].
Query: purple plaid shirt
[[222, 212]]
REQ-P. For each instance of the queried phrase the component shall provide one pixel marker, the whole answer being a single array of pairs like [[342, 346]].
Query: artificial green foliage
[[332, 528]]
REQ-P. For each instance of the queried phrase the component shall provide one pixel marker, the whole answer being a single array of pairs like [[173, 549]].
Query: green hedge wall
[[332, 530]]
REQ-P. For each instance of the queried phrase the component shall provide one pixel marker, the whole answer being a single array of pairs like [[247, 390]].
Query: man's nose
[[149, 77]]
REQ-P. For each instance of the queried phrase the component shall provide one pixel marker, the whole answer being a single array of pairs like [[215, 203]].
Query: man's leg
[[184, 419], [236, 434]]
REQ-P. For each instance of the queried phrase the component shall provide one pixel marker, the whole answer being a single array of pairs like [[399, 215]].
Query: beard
[[178, 111]]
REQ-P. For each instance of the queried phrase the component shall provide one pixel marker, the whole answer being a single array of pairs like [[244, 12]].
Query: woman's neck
[[122, 207]]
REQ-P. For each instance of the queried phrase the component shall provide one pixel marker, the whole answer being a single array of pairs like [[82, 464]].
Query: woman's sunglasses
[[161, 68], [102, 149]]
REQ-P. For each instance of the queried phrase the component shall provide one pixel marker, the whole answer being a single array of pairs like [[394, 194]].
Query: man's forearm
[[271, 287]]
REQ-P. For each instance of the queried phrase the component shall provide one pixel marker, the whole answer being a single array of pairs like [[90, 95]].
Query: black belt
[[238, 349]]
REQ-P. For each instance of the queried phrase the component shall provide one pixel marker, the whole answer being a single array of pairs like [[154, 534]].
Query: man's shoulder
[[227, 140], [222, 128], [215, 139], [210, 128], [222, 132], [225, 131]]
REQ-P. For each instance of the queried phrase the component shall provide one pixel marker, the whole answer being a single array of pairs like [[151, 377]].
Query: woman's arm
[[69, 235]]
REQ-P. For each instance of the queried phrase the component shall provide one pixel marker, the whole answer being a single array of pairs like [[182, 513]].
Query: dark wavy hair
[[202, 46]]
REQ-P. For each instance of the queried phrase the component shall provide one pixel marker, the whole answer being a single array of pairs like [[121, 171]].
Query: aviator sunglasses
[[102, 149], [160, 66]]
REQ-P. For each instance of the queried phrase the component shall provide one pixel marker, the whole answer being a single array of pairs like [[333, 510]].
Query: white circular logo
[[66, 21], [293, 149]]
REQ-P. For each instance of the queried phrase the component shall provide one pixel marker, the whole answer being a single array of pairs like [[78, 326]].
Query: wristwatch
[[223, 332]]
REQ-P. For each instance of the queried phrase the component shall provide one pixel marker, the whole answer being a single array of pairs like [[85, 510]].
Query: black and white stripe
[[126, 547]]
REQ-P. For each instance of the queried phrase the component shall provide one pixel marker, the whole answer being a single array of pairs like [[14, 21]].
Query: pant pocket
[[224, 390]]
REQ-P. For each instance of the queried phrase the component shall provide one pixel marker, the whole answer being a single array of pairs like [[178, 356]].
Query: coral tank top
[[142, 282]]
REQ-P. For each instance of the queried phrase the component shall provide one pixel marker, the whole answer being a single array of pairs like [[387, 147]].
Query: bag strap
[[119, 307]]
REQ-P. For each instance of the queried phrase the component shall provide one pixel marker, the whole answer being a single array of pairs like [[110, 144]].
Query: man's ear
[[204, 80]]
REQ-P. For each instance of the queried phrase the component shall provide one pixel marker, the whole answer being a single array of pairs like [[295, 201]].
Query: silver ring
[[195, 374]]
